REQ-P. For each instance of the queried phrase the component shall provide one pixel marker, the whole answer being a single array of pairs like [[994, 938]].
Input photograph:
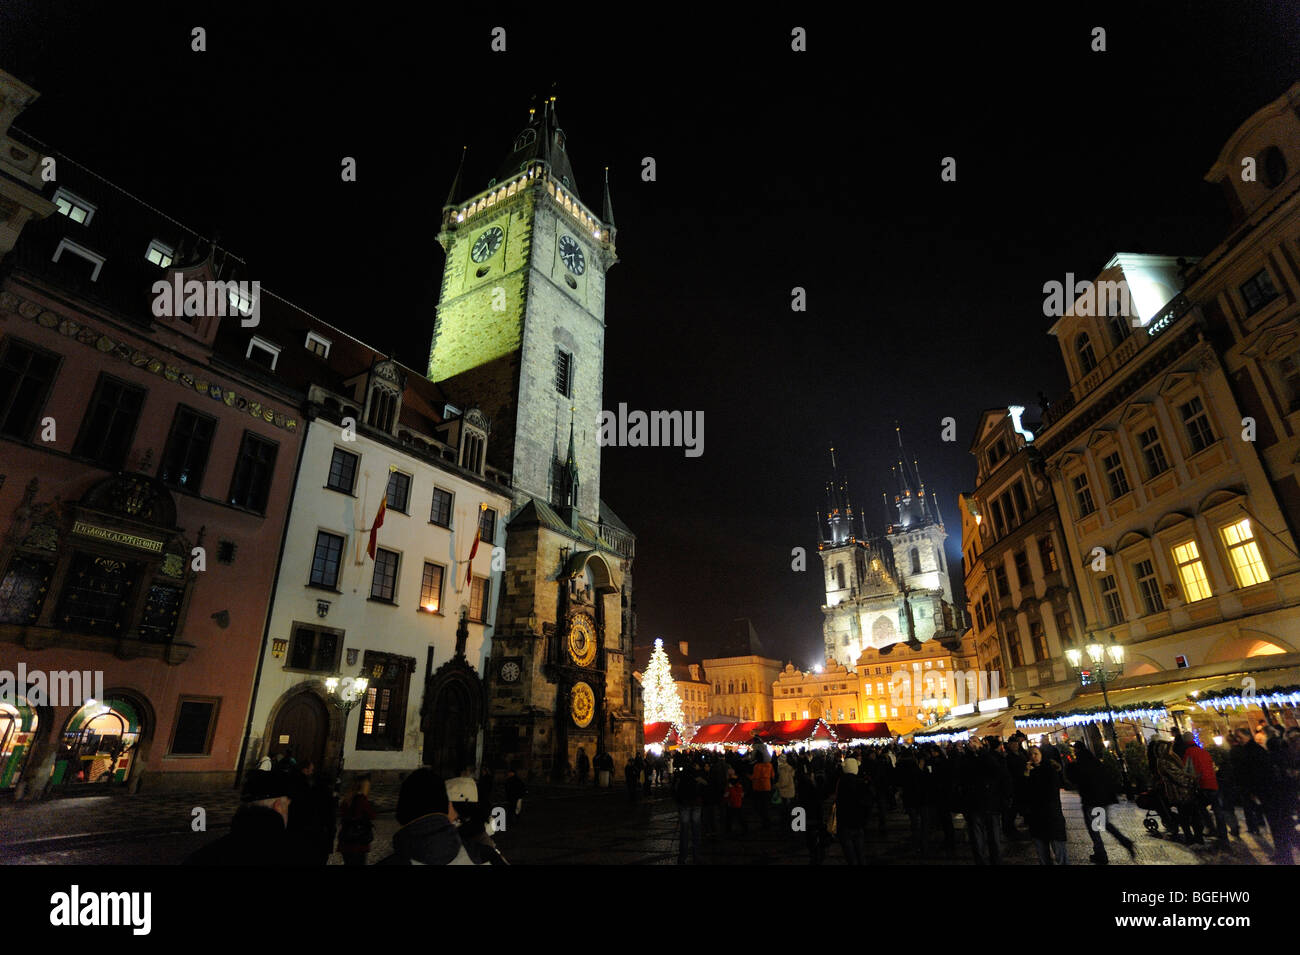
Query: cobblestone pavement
[[559, 825]]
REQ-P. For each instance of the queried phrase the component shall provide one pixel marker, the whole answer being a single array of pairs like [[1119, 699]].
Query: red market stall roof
[[851, 731], [661, 733], [712, 733]]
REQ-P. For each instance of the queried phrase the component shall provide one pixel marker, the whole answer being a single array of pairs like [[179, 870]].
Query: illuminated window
[[1047, 554], [159, 254], [478, 600], [318, 346], [383, 714], [1191, 571], [431, 587], [1243, 554], [75, 208]]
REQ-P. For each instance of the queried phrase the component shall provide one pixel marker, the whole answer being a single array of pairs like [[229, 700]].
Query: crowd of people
[[1004, 791]]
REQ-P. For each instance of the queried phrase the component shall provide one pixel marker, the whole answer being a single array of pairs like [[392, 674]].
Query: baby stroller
[[1150, 801]]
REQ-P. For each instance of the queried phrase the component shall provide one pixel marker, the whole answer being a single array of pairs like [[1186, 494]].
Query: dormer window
[[261, 352], [240, 304], [318, 346], [526, 138], [95, 259], [160, 254], [74, 207]]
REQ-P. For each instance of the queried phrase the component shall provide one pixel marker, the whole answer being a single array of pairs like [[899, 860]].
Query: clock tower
[[520, 332]]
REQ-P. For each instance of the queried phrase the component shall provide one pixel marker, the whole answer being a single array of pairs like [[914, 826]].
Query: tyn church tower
[[520, 330], [887, 589]]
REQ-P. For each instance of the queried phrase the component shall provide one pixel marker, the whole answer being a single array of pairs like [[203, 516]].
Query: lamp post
[[1106, 662], [345, 693]]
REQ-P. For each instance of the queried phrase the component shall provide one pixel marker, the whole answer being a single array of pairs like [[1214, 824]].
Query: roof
[[658, 733], [542, 139], [741, 641]]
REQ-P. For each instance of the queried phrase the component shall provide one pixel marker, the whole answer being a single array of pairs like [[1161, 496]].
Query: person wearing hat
[[259, 833], [428, 833]]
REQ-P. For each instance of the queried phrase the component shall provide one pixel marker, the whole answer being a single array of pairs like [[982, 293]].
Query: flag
[[469, 575], [374, 528]]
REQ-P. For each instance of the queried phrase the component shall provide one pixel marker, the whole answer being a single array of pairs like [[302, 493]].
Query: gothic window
[[526, 138], [96, 593], [471, 451], [839, 575], [915, 555], [938, 556], [383, 409], [1083, 348]]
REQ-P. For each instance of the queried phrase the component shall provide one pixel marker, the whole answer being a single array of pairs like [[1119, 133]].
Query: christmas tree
[[662, 704]]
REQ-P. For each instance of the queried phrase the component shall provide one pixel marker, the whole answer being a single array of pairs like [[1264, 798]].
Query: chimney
[[682, 646]]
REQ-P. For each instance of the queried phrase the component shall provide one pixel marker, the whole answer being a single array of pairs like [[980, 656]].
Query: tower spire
[[453, 196], [608, 212]]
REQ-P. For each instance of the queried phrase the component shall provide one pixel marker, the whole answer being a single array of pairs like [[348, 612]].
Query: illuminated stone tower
[[520, 332]]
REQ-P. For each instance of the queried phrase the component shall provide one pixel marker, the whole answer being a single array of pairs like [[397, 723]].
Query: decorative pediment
[[1172, 519], [1175, 381], [1131, 539], [136, 497], [1219, 498], [1273, 343], [390, 372], [1101, 436], [1135, 411]]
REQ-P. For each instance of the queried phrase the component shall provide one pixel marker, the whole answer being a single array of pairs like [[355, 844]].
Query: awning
[[712, 733], [662, 734], [1280, 687], [955, 728], [847, 732]]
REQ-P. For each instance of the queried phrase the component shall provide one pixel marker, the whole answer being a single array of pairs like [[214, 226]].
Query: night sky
[[774, 169]]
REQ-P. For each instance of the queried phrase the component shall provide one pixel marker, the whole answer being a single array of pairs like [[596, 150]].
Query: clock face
[[487, 244], [571, 253], [510, 672], [583, 706], [582, 640]]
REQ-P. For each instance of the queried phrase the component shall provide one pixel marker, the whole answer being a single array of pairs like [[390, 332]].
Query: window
[[261, 352], [110, 422], [1064, 624], [1258, 291], [1016, 650], [96, 593], [94, 258], [343, 471], [1022, 505], [999, 519], [1114, 469], [478, 600], [196, 718], [440, 514], [399, 491], [383, 585], [251, 482], [186, 455], [1191, 571], [1289, 369], [74, 207], [988, 608], [1119, 329], [839, 576], [471, 452], [1000, 580], [979, 617], [325, 561], [915, 556], [1110, 598], [1023, 577], [160, 254], [1083, 348], [1243, 554], [487, 524], [314, 648], [1083, 495], [1153, 452], [318, 346], [162, 608], [383, 409], [1047, 555], [23, 589], [1148, 586], [1197, 422], [564, 372], [26, 375]]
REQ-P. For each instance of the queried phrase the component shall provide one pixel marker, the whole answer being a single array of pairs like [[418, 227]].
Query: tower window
[[915, 555], [1083, 348], [564, 372], [839, 575], [383, 409], [471, 452]]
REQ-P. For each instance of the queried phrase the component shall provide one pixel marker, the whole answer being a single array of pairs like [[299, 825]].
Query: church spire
[[569, 482], [542, 140], [608, 212]]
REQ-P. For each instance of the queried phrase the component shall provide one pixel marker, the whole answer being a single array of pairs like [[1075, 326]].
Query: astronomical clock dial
[[510, 672], [485, 245], [583, 705], [572, 255], [582, 640]]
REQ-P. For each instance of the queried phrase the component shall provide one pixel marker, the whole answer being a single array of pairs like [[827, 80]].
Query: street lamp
[[1106, 662], [345, 693]]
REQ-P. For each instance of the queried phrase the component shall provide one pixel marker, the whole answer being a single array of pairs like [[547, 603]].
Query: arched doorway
[[301, 728], [453, 713], [18, 725], [98, 744]]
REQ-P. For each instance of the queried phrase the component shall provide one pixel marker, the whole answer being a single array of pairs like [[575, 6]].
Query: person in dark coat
[[851, 814], [1042, 807], [809, 797], [584, 765], [1018, 770], [428, 833], [1262, 786], [985, 788], [911, 784], [259, 833], [1088, 776], [357, 823], [630, 775], [312, 814]]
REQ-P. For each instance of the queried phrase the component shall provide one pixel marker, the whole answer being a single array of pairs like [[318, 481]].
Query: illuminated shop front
[[98, 744], [18, 726]]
